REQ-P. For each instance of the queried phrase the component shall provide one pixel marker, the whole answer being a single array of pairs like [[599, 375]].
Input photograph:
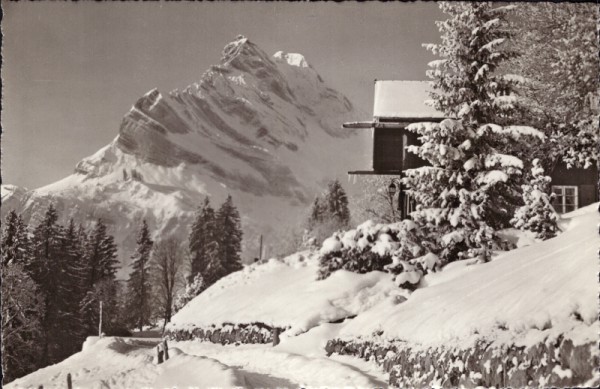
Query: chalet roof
[[403, 99]]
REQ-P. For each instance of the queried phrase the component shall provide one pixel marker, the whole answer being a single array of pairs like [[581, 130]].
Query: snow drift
[[528, 294], [285, 294]]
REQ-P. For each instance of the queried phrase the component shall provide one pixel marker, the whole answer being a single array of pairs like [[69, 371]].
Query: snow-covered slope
[[285, 294], [528, 294], [266, 130], [546, 289]]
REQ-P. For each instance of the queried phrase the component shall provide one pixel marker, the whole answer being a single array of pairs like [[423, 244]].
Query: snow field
[[524, 295], [285, 294]]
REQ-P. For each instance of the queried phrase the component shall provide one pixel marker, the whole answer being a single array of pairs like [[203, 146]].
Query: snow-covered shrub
[[537, 215], [192, 289], [395, 248]]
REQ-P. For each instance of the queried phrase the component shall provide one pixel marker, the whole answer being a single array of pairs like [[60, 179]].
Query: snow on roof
[[403, 99]]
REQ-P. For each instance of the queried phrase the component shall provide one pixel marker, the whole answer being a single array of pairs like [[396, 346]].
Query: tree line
[[55, 276]]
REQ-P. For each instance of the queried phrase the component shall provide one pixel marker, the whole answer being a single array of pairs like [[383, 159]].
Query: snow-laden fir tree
[[139, 284], [229, 237], [202, 239], [192, 289], [537, 215], [14, 240], [473, 184]]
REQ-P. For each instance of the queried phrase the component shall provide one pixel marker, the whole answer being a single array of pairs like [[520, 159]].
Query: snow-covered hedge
[[226, 334], [557, 363], [395, 248]]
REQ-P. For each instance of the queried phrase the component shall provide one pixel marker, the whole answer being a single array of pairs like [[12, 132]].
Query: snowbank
[[285, 294], [524, 295], [128, 363]]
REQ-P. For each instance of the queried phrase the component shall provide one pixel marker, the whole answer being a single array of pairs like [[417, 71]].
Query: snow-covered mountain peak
[[242, 53], [293, 59], [264, 129]]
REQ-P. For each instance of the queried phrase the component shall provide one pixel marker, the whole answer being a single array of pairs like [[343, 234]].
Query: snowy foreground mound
[[128, 363], [526, 295], [285, 294]]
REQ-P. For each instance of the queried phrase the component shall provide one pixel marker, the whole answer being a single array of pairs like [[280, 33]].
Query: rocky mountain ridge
[[264, 129]]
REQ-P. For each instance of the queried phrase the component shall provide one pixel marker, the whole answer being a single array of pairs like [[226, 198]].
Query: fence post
[[159, 355], [69, 382], [275, 336], [166, 349]]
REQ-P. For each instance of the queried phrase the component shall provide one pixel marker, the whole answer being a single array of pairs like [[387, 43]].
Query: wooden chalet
[[400, 103]]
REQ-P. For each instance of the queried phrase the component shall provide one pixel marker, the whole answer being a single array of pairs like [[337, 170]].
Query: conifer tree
[[101, 254], [100, 265], [74, 288], [473, 184], [337, 203], [14, 240], [139, 284], [45, 268], [537, 214], [202, 240], [317, 213], [229, 237], [329, 212], [22, 312]]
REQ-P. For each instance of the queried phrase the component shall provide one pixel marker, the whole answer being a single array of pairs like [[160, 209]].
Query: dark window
[[387, 151]]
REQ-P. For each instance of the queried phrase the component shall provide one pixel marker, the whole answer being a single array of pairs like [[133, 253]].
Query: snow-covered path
[[294, 370], [299, 360], [129, 363]]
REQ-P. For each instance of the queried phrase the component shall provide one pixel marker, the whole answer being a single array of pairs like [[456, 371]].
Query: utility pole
[[260, 250], [100, 323]]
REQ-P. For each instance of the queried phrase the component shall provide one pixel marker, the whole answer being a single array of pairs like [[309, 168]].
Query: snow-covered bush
[[192, 289], [537, 215], [395, 248]]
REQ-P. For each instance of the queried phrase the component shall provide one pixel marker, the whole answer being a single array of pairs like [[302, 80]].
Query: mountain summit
[[265, 129]]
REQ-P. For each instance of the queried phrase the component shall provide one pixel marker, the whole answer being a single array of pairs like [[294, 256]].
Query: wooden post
[[159, 354], [260, 250], [100, 323], [275, 336], [69, 382], [166, 348]]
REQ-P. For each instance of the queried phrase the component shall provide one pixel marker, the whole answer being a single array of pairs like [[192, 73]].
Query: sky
[[72, 70]]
